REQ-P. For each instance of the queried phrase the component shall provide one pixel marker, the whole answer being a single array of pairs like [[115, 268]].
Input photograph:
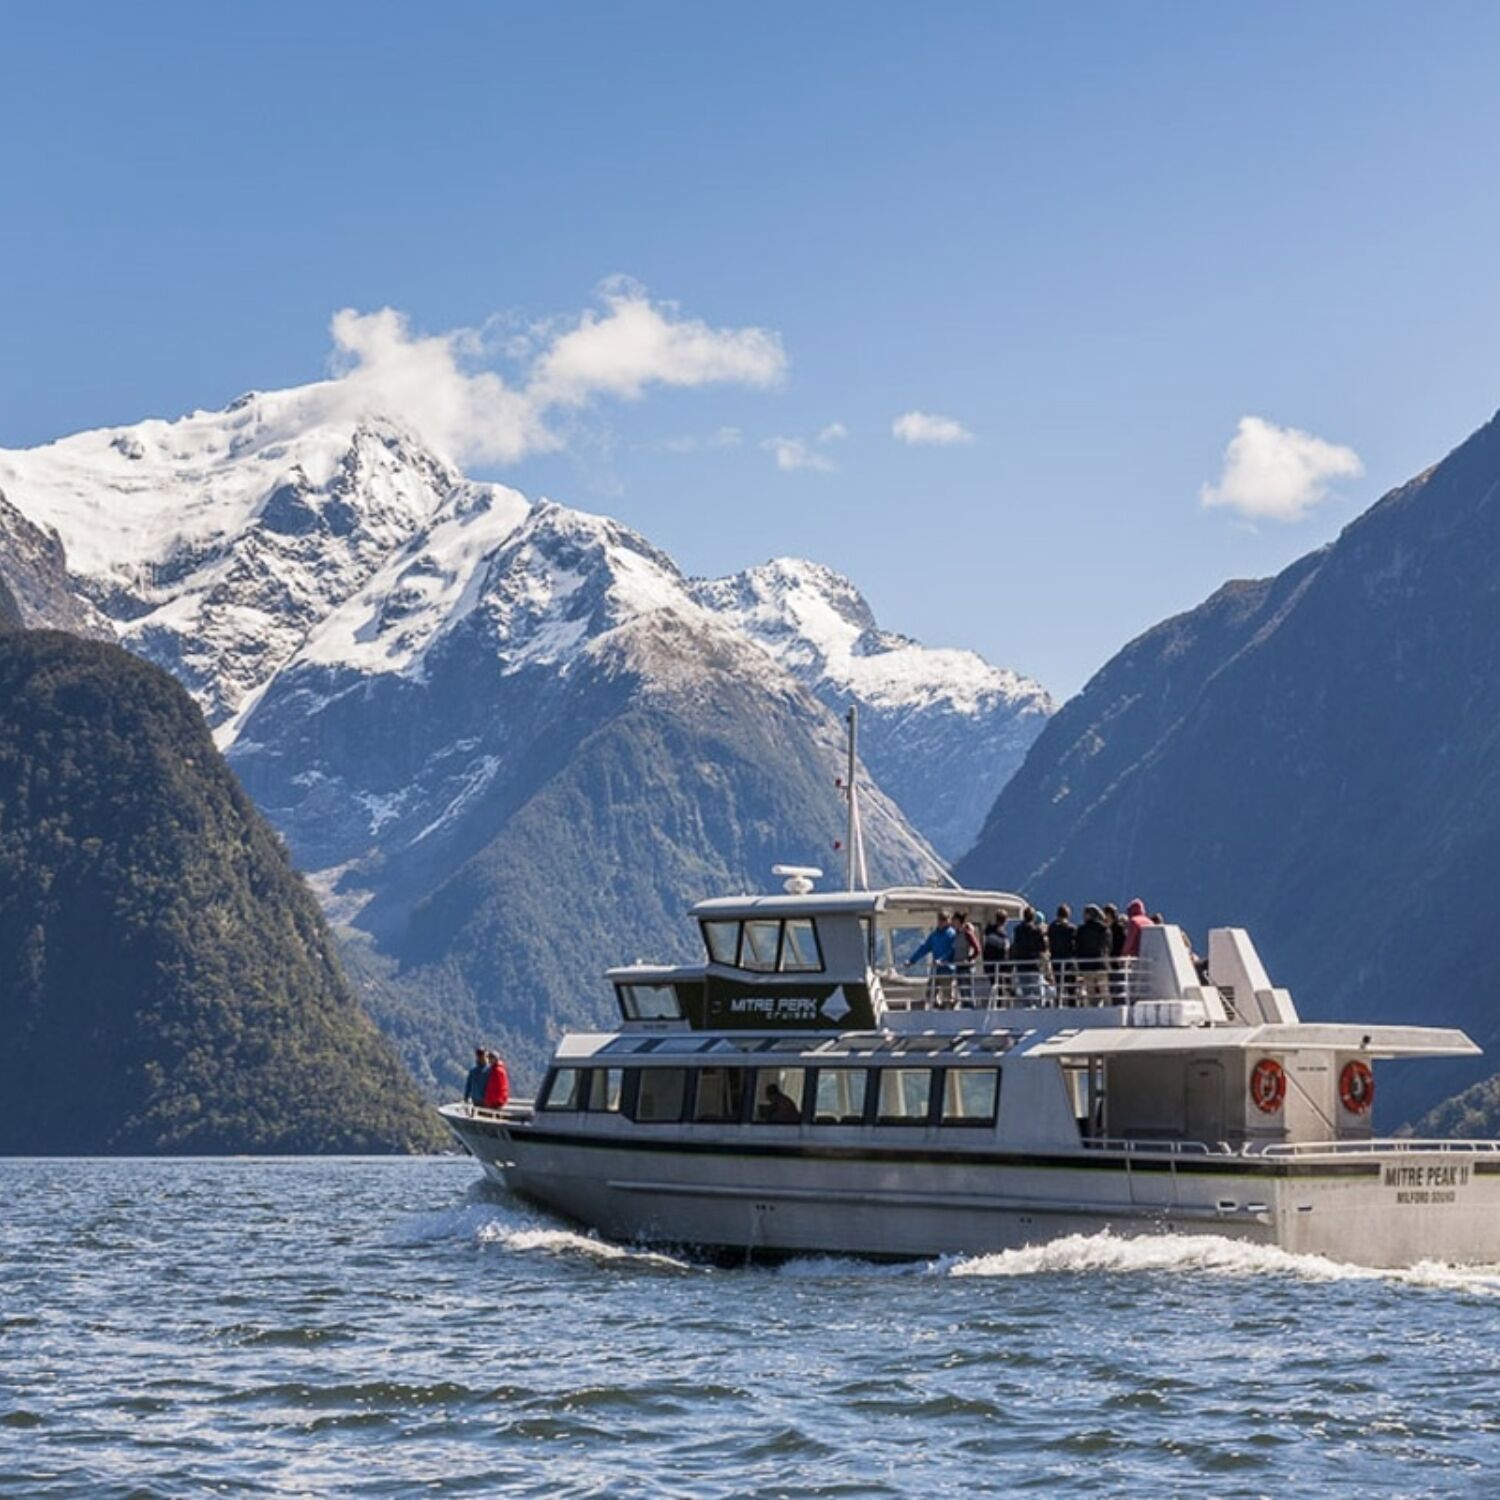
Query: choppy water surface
[[380, 1328]]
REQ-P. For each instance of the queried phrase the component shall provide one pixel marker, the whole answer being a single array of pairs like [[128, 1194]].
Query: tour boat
[[804, 1091]]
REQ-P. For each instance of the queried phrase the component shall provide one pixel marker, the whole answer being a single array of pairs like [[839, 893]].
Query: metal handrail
[[1349, 1148], [1169, 1148], [518, 1109], [1070, 983]]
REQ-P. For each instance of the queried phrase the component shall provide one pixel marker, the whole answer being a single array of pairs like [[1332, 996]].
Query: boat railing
[[517, 1109], [1069, 983], [1134, 1147], [1362, 1147]]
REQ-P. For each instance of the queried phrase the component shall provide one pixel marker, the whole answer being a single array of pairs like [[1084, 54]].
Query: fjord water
[[317, 1327]]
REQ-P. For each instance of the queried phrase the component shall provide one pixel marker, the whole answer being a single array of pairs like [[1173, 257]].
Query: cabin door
[[1205, 1102]]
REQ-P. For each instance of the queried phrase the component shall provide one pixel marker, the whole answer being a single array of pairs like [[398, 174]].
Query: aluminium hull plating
[[851, 1192]]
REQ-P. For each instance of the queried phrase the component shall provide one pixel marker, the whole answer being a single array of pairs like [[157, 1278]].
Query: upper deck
[[840, 962]]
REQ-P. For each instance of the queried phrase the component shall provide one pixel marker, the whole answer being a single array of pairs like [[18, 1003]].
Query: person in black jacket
[[1028, 949], [996, 953], [1091, 950], [1119, 931], [1061, 935]]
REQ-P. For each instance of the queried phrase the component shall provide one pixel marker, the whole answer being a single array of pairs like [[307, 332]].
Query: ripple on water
[[373, 1329]]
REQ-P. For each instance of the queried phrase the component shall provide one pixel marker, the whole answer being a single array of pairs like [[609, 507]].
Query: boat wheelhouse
[[806, 1089]]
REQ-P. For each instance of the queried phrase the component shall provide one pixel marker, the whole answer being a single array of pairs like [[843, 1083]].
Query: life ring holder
[[1267, 1085], [1357, 1086]]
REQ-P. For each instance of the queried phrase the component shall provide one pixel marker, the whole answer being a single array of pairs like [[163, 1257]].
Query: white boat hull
[[845, 1193]]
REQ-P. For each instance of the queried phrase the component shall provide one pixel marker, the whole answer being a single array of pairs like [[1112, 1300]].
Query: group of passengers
[[1030, 959], [488, 1084]]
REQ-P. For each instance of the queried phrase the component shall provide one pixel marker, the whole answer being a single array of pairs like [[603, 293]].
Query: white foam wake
[[566, 1242], [1204, 1254]]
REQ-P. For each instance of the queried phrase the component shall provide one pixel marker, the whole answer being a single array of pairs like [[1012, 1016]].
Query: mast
[[857, 876]]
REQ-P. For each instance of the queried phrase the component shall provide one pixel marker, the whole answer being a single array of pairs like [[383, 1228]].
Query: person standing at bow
[[474, 1083], [496, 1084]]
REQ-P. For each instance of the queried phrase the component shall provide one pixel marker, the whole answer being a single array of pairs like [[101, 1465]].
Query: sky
[[1039, 321]]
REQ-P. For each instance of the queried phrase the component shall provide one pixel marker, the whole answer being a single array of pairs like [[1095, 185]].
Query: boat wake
[[535, 1239], [493, 1219], [1113, 1254]]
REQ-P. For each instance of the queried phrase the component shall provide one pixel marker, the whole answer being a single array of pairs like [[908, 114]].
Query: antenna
[[858, 877]]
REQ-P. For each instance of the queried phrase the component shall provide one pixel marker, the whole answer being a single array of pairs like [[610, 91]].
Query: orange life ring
[[1267, 1085], [1357, 1086]]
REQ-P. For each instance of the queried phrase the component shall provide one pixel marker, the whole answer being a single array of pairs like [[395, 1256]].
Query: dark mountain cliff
[[1317, 757], [167, 983]]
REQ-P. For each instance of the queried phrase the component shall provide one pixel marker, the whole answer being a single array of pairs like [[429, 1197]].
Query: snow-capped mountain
[[216, 542], [509, 741], [942, 730]]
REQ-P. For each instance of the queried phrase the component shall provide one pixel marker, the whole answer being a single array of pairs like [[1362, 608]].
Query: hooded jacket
[[1135, 920], [497, 1087]]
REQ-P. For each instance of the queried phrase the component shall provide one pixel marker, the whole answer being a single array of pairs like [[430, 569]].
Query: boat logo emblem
[[835, 1007]]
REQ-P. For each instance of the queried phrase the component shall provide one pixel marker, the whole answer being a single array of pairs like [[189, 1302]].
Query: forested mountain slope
[[167, 982]]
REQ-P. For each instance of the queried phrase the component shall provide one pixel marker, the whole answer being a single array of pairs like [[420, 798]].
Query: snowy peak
[[215, 543], [819, 625]]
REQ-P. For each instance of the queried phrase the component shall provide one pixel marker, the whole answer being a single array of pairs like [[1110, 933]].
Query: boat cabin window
[[649, 1002], [799, 947], [840, 1096], [723, 939], [659, 1096], [764, 945], [720, 1095], [905, 1096], [605, 1088], [561, 1089], [970, 1095], [779, 1093], [894, 945], [758, 946]]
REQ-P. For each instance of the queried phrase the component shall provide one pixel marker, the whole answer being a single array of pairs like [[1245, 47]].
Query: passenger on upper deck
[[1135, 920], [996, 952], [1061, 938], [1117, 930], [1028, 948], [967, 948], [1091, 949], [937, 945], [1117, 934]]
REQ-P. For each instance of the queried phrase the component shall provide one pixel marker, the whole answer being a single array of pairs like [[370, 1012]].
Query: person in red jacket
[[496, 1084], [1135, 921]]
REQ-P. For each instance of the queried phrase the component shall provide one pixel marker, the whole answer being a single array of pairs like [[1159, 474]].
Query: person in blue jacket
[[939, 945], [478, 1077]]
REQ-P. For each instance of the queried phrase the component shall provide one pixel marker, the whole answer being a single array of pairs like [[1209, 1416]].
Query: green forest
[[168, 983]]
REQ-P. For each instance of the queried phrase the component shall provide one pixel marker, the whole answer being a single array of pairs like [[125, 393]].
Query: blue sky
[[1096, 237]]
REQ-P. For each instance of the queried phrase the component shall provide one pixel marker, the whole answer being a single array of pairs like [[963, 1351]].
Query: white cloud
[[794, 453], [834, 432], [637, 343], [1278, 473], [383, 367], [924, 427], [440, 385]]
